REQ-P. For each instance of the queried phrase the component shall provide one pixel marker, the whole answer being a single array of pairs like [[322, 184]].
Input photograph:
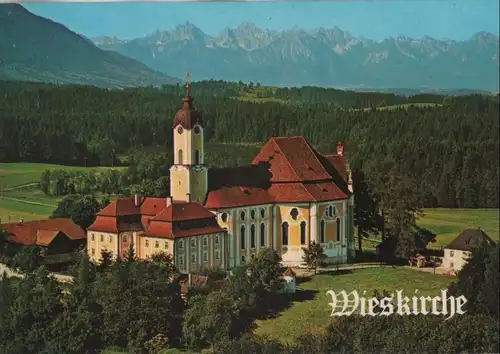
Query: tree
[[478, 281], [27, 258], [139, 301], [44, 183], [30, 323], [165, 261], [264, 274], [366, 208], [130, 254], [105, 261], [210, 319], [81, 209], [80, 322], [4, 237], [313, 255]]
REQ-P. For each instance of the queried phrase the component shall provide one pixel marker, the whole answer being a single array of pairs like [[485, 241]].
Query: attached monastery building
[[289, 196]]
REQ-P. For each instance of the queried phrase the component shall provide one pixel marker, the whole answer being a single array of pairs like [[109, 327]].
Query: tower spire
[[188, 85]]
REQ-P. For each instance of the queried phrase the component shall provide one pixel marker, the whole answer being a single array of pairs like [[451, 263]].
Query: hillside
[[33, 48], [324, 57]]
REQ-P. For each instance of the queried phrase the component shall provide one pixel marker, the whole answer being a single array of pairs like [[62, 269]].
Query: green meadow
[[309, 311], [19, 194], [448, 223]]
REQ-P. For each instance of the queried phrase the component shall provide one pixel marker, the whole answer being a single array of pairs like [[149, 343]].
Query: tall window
[[338, 229], [284, 234], [252, 236], [322, 231], [197, 157], [303, 233], [242, 237], [262, 235], [180, 157]]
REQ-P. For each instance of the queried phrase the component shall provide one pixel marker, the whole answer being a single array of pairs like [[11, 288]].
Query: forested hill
[[449, 151]]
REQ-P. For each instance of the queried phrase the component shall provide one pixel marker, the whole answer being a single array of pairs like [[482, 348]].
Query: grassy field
[[14, 210], [309, 311], [448, 223], [19, 196], [18, 174], [406, 106]]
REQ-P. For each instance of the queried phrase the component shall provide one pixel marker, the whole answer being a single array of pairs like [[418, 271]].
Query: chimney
[[21, 220], [340, 149], [169, 201], [137, 199], [190, 280], [188, 197]]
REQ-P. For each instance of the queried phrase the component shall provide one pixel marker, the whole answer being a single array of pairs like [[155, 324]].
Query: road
[[28, 201], [10, 273]]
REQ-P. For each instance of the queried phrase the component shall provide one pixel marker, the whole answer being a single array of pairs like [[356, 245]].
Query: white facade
[[455, 259]]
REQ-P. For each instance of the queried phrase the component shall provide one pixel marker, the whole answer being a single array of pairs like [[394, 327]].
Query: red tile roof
[[104, 224], [126, 206], [231, 197], [339, 163], [183, 211], [42, 232], [291, 159], [156, 219], [297, 173]]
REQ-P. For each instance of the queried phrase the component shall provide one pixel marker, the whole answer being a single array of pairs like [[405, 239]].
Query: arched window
[[338, 229], [252, 236], [197, 157], [284, 234], [242, 237], [180, 157], [303, 233], [322, 231], [262, 235]]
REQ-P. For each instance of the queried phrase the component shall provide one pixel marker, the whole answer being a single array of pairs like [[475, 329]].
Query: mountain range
[[323, 57], [33, 48], [36, 49]]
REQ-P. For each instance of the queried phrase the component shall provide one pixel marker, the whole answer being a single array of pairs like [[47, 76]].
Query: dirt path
[[21, 186], [28, 201]]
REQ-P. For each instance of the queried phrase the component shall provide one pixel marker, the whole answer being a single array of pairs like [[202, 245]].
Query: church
[[289, 196]]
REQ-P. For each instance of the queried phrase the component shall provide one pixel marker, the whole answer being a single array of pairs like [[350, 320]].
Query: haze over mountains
[[33, 48], [324, 57]]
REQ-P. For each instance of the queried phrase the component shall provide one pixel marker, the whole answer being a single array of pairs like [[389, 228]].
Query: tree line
[[451, 151]]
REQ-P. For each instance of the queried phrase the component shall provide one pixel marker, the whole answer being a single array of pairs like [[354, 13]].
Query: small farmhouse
[[459, 250], [58, 237]]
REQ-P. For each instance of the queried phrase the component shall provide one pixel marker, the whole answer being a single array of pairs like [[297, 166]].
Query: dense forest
[[450, 149]]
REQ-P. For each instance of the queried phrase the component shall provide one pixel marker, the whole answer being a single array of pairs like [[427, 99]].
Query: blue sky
[[372, 19]]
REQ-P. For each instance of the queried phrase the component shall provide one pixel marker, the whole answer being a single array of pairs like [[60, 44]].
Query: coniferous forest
[[448, 148]]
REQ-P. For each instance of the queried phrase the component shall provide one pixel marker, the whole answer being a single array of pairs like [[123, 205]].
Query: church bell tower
[[188, 175]]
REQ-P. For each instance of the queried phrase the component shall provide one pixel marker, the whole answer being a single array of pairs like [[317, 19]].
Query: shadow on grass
[[335, 272], [283, 302], [303, 279]]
